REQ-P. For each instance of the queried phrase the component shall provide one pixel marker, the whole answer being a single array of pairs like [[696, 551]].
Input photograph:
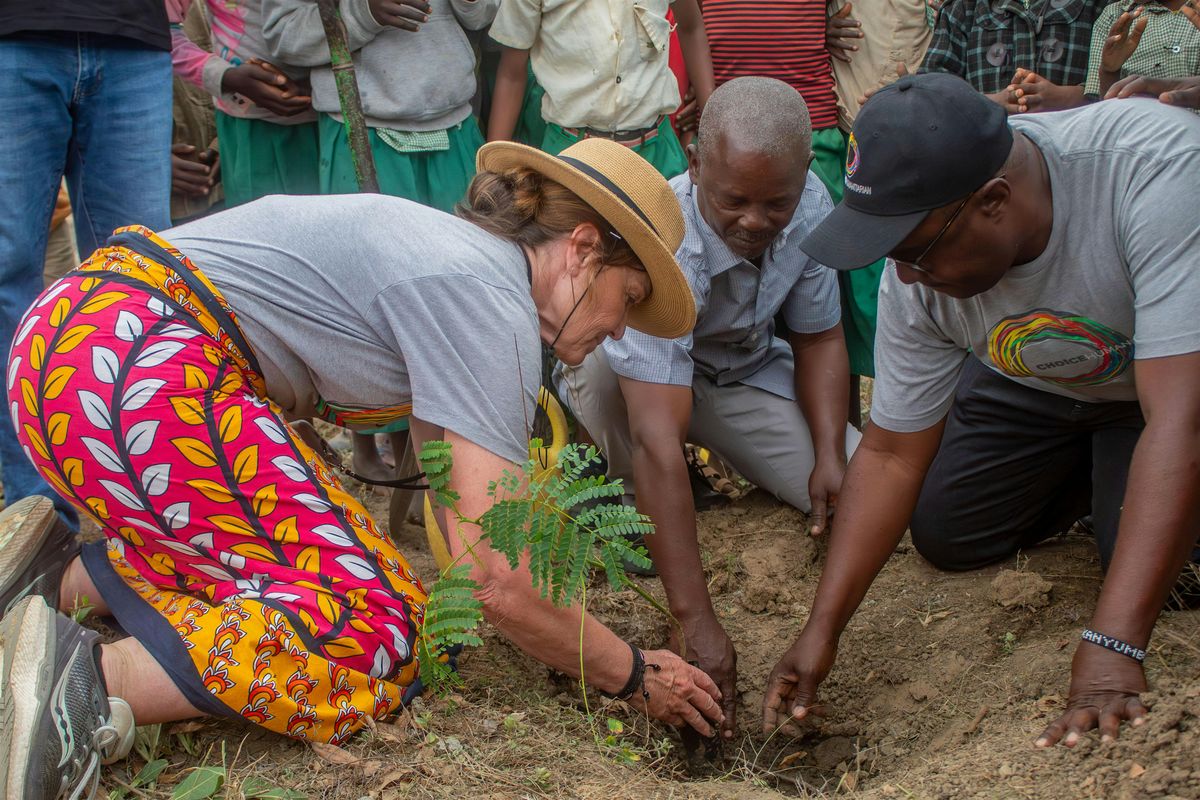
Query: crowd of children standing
[[257, 109]]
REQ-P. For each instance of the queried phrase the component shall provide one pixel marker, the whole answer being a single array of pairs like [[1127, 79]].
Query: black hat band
[[602, 179]]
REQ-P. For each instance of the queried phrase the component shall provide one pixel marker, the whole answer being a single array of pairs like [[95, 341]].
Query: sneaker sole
[[27, 635], [24, 526]]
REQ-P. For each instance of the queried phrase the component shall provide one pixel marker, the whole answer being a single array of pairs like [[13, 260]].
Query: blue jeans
[[98, 111]]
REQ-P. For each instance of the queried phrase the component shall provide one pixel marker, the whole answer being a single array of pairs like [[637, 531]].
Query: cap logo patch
[[852, 156]]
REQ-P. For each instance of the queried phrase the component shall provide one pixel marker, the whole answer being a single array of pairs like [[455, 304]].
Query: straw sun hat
[[636, 201]]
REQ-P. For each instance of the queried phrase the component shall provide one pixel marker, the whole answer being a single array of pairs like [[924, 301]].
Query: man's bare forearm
[[1159, 522], [822, 375], [882, 484], [664, 494]]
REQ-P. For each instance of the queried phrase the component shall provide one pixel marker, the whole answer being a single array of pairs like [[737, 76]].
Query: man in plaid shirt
[[1026, 57]]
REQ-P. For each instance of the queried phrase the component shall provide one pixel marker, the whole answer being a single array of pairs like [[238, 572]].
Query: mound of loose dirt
[[1013, 589]]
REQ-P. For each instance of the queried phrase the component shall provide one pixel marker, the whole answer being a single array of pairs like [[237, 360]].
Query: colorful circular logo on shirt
[[1061, 348], [851, 156]]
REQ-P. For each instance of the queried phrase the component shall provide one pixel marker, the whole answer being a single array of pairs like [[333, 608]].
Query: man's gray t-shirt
[[1118, 280], [356, 302]]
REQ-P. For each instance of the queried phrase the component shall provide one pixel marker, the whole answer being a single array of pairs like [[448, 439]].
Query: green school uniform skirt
[[664, 152], [860, 287], [531, 128], [260, 158], [436, 178]]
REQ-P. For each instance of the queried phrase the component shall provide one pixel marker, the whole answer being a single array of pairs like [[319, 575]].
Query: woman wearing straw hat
[[151, 388]]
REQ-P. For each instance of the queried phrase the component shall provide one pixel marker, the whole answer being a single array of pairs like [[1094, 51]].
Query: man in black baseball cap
[[1037, 360], [924, 143]]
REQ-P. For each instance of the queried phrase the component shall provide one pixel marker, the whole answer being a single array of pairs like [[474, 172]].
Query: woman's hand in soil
[[713, 652], [1104, 693], [792, 688], [680, 694]]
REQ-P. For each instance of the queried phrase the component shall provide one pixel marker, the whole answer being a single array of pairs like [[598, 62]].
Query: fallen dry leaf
[[391, 733], [394, 777], [849, 781], [1136, 770], [333, 754]]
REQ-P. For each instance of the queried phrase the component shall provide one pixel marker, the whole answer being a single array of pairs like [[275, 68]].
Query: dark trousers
[[1018, 465]]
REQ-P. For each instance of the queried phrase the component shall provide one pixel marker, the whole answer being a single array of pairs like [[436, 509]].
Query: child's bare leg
[[398, 441], [367, 461]]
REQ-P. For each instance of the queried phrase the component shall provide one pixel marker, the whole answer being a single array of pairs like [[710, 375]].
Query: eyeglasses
[[915, 264]]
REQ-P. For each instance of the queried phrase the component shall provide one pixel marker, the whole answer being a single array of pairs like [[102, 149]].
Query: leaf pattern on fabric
[[140, 393], [73, 338], [56, 382], [95, 409], [139, 438], [188, 410], [56, 427], [105, 365], [215, 512], [128, 327], [157, 353]]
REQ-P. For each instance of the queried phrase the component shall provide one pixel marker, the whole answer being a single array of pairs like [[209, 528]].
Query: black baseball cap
[[919, 144]]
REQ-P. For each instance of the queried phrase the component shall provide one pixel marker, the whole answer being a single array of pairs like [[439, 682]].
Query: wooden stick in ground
[[348, 96]]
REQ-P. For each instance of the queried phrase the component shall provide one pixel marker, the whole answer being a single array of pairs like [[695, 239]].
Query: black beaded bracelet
[[1116, 645], [636, 675]]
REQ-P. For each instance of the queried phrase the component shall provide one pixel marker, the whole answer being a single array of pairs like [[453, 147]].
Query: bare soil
[[943, 682]]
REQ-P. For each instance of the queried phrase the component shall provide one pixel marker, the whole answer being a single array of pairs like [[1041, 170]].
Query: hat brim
[[670, 310], [848, 239]]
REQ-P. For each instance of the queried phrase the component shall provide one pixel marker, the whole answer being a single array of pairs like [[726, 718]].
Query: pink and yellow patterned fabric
[[131, 396]]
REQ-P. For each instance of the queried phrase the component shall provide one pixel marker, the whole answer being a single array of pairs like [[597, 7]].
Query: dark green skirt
[[437, 178], [260, 158], [664, 152]]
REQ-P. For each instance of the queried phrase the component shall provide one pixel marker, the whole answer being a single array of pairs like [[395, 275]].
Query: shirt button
[[1176, 49], [618, 79]]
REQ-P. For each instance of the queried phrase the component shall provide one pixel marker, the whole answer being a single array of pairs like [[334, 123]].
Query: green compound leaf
[[452, 617], [435, 463], [564, 521]]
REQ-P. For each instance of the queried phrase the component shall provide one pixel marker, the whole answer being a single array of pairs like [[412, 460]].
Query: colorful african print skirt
[[232, 552]]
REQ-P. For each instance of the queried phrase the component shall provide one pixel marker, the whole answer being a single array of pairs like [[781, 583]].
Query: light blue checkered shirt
[[736, 304]]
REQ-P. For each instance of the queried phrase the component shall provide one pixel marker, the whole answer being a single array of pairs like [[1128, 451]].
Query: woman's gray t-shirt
[[371, 302]]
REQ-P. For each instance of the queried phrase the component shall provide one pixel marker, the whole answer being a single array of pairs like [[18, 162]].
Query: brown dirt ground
[[942, 683]]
